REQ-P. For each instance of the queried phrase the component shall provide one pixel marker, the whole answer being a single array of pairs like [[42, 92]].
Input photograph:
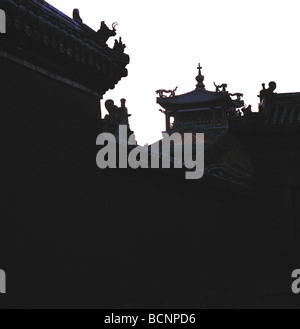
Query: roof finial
[[199, 68], [200, 78]]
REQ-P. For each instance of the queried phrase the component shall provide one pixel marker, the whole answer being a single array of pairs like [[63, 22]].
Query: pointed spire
[[200, 79]]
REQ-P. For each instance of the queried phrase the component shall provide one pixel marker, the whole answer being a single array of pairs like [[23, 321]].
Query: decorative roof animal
[[222, 88], [105, 33], [161, 92]]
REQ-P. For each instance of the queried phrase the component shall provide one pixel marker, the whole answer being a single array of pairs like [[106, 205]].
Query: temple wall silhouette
[[73, 235], [36, 111], [153, 242]]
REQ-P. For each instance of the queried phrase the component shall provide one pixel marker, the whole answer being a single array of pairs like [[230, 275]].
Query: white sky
[[239, 42]]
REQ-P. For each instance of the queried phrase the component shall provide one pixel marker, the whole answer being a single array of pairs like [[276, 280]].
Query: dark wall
[[48, 132], [46, 126], [277, 182], [74, 236], [135, 239]]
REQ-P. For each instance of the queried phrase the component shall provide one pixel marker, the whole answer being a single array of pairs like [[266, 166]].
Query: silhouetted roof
[[284, 109], [36, 23], [292, 98], [196, 97], [282, 113]]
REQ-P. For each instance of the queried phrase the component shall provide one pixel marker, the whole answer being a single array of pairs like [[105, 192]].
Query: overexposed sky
[[239, 42]]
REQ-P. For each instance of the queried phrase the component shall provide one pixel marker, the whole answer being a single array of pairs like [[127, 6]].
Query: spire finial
[[199, 68], [200, 78]]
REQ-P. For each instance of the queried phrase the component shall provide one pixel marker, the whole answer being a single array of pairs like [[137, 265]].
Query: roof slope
[[38, 31], [198, 98], [194, 97]]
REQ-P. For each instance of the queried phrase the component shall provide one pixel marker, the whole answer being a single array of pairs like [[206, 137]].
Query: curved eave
[[196, 98], [41, 34]]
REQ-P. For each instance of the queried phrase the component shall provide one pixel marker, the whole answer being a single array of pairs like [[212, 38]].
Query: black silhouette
[[73, 235], [117, 116], [119, 46], [221, 88], [105, 33], [161, 92], [200, 78], [238, 95], [247, 110], [266, 94], [269, 91], [76, 16], [200, 110]]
